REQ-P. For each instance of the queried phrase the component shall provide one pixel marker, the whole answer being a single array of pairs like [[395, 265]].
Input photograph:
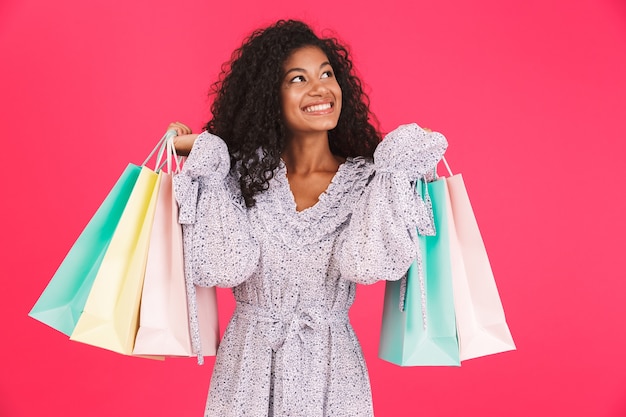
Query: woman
[[281, 199]]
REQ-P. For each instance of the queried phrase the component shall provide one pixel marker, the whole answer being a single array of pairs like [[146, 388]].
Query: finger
[[181, 128], [175, 126]]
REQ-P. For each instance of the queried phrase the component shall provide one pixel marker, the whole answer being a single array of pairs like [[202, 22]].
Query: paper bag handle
[[166, 147], [160, 146], [445, 163]]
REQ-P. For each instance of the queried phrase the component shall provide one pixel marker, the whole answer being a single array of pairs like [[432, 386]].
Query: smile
[[318, 107]]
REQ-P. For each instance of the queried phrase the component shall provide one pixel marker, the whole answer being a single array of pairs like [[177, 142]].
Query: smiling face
[[310, 94]]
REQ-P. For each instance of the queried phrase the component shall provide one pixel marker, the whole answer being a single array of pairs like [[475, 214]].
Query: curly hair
[[246, 112]]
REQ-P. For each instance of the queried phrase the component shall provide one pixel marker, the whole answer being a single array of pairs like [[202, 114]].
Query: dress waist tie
[[295, 333]]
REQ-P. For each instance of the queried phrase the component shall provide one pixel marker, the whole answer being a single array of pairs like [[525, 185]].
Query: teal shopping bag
[[61, 303], [424, 333]]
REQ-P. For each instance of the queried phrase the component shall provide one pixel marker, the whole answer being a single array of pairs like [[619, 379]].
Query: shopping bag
[[208, 320], [424, 333], [63, 299], [481, 322], [163, 305], [163, 320], [110, 317]]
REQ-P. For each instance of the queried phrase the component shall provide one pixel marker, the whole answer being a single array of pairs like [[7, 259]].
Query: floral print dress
[[289, 349]]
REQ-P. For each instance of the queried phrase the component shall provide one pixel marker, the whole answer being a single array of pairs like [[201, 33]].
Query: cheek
[[289, 101]]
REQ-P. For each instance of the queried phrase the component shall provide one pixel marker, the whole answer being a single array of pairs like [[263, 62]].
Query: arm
[[381, 240], [184, 140], [219, 248]]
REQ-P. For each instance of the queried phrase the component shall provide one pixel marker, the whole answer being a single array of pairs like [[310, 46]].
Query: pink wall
[[531, 95]]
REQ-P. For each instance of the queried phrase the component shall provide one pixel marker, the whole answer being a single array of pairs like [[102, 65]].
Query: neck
[[308, 153]]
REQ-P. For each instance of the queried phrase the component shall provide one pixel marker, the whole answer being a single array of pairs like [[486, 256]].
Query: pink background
[[532, 98]]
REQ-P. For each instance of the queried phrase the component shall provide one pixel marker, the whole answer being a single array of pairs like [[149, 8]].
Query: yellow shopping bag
[[110, 317]]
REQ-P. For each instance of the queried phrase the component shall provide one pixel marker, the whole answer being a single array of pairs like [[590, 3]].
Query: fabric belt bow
[[296, 336]]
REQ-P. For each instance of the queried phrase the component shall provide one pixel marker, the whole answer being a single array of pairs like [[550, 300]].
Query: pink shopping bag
[[164, 325], [481, 323]]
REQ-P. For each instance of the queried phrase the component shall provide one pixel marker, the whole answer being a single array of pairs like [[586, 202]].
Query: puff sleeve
[[217, 244], [380, 242], [219, 249]]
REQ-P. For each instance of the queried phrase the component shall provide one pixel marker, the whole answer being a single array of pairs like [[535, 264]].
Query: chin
[[327, 125]]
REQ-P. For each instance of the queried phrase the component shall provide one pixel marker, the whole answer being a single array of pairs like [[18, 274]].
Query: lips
[[322, 107]]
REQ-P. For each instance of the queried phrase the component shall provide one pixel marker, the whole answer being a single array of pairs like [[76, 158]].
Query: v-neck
[[321, 198], [276, 208]]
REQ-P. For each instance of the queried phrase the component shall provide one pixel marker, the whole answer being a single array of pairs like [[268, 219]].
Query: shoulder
[[206, 141], [209, 157]]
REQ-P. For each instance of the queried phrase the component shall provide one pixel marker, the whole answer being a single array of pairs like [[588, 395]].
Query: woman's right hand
[[184, 140]]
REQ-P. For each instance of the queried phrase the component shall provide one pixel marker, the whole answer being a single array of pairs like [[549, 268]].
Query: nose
[[318, 88]]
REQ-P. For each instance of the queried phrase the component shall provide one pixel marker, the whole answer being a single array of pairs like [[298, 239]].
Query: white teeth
[[318, 107]]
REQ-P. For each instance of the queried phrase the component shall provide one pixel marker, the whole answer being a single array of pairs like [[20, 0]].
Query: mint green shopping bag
[[424, 333], [62, 302]]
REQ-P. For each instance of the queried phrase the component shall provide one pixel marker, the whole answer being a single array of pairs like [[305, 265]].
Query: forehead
[[305, 57]]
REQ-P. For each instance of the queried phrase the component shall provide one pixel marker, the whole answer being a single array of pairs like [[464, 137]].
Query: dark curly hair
[[247, 110]]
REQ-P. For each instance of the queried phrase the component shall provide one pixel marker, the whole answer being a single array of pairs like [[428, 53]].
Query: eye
[[298, 79], [327, 74]]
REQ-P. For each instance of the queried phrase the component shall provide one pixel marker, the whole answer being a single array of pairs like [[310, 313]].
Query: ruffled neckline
[[282, 173], [333, 207]]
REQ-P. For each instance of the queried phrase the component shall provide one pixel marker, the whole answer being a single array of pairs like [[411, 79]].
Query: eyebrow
[[303, 70]]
